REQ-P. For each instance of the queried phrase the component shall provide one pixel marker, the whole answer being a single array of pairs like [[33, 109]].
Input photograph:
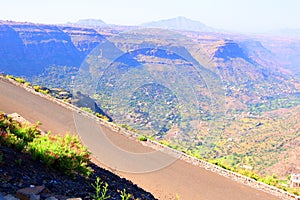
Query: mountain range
[[88, 23], [179, 23], [215, 95]]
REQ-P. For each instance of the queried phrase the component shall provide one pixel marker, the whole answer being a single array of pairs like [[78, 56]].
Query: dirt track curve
[[186, 180]]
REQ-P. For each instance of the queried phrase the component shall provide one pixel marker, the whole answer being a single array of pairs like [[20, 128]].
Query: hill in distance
[[88, 23], [179, 23]]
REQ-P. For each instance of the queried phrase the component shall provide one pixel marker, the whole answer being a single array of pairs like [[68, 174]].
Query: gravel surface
[[18, 170]]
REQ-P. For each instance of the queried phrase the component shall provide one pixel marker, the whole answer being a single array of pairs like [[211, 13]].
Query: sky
[[234, 15]]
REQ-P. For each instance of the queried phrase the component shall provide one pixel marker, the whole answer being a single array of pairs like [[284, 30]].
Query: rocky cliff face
[[52, 55], [84, 39], [27, 49], [11, 50]]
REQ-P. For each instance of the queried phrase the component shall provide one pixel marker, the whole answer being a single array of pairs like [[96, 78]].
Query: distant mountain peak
[[89, 22], [179, 23]]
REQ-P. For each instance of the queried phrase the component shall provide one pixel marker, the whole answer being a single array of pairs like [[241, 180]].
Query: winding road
[[125, 157]]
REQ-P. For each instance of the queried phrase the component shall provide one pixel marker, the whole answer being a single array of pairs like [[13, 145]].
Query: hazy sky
[[238, 15]]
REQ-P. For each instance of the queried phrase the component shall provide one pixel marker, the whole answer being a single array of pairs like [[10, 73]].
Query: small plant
[[20, 80], [27, 84], [124, 195], [142, 138], [105, 118], [37, 88], [44, 91], [19, 162], [129, 128], [177, 197], [10, 76], [100, 190], [87, 110]]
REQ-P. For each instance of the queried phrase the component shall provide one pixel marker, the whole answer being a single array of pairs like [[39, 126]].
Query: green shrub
[[269, 180], [44, 91], [20, 80], [142, 138], [10, 76], [64, 153], [27, 84], [87, 110], [15, 134], [37, 88], [129, 128], [103, 117]]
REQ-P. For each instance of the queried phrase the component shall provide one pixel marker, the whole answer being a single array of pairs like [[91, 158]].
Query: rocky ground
[[19, 172]]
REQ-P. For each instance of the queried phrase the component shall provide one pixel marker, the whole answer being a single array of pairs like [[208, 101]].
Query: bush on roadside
[[20, 80], [64, 153], [37, 88], [14, 134], [10, 76], [142, 138], [27, 84], [89, 110]]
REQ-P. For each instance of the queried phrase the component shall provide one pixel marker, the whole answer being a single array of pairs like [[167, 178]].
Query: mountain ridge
[[179, 23], [88, 23]]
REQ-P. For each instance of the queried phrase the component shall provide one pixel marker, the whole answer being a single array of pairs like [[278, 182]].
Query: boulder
[[30, 193]]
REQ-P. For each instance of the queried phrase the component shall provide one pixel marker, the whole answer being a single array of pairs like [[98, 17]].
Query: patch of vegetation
[[129, 128], [10, 76], [18, 162], [65, 153], [62, 152], [100, 190], [274, 103], [40, 89], [20, 80], [124, 195], [89, 110], [269, 180], [14, 134], [142, 138]]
